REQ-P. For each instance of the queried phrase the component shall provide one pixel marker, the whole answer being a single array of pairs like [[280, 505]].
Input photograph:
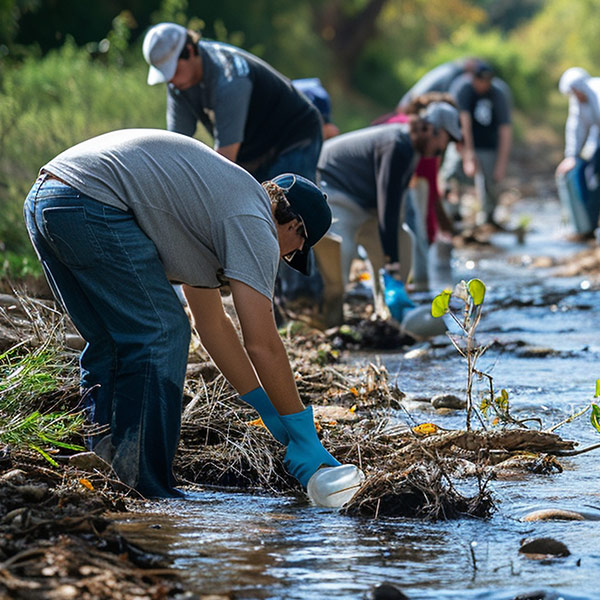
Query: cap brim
[[300, 261], [456, 137], [162, 75]]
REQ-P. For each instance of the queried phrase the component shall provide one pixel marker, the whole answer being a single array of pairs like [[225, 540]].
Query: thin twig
[[568, 419]]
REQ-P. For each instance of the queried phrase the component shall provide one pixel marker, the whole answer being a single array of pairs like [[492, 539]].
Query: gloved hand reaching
[[259, 400], [305, 453], [396, 298]]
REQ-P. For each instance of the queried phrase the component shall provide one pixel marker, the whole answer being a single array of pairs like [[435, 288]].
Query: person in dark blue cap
[[314, 90], [307, 289], [115, 221]]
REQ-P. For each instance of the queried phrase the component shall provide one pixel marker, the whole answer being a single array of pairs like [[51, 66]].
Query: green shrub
[[52, 103]]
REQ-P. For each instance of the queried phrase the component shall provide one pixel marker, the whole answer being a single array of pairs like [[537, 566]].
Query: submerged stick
[[576, 452]]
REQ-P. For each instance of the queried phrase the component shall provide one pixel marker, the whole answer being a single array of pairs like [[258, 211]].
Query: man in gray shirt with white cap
[[257, 118]]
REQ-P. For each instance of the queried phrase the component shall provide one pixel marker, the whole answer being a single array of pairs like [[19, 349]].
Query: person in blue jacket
[[314, 90]]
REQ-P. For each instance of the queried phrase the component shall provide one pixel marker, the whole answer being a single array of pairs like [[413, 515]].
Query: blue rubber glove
[[305, 453], [396, 298], [259, 400]]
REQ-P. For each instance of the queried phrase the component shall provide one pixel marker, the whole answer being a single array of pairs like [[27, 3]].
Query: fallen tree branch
[[576, 452]]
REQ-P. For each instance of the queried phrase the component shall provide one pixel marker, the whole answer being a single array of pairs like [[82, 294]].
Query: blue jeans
[[107, 274], [301, 161]]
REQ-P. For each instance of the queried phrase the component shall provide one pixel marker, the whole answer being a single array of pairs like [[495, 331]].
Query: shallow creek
[[545, 352]]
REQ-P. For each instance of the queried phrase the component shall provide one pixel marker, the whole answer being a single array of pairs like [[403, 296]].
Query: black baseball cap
[[483, 70], [310, 204]]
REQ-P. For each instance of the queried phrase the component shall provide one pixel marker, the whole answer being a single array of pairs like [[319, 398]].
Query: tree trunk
[[347, 34]]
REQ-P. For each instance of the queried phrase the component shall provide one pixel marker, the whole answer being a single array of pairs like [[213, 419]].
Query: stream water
[[545, 354]]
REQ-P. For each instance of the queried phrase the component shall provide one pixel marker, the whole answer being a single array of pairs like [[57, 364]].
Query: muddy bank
[[57, 542]]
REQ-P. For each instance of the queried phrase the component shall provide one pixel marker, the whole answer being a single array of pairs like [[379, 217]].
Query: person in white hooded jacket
[[583, 121]]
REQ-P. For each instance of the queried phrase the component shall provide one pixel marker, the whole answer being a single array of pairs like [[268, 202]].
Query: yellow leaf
[[86, 483], [353, 409], [354, 391], [496, 421], [256, 423], [439, 305], [426, 429], [477, 290]]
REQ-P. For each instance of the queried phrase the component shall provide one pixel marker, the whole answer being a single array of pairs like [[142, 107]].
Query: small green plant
[[522, 228], [595, 415], [36, 429], [19, 266], [472, 295], [524, 223], [25, 379], [498, 406]]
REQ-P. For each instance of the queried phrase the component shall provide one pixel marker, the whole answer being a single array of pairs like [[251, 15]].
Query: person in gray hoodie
[[583, 119], [577, 174]]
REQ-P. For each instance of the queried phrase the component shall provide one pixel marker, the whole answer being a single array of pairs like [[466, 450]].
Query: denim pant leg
[[98, 359], [109, 277], [301, 161], [486, 186]]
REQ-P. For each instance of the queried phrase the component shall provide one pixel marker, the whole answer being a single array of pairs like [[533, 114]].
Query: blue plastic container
[[579, 193]]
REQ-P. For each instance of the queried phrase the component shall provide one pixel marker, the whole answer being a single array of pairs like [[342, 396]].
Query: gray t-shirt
[[373, 166], [439, 79], [208, 218], [242, 99]]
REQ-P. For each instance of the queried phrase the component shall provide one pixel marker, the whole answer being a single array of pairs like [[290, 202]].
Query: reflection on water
[[263, 547]]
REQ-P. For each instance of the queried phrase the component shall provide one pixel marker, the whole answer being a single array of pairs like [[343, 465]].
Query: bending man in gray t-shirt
[[117, 219]]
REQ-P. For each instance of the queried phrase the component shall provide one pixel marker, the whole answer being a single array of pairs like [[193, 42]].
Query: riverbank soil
[[57, 538], [56, 542]]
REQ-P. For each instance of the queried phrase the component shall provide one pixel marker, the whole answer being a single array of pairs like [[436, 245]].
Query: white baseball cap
[[162, 46], [572, 78], [443, 115]]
